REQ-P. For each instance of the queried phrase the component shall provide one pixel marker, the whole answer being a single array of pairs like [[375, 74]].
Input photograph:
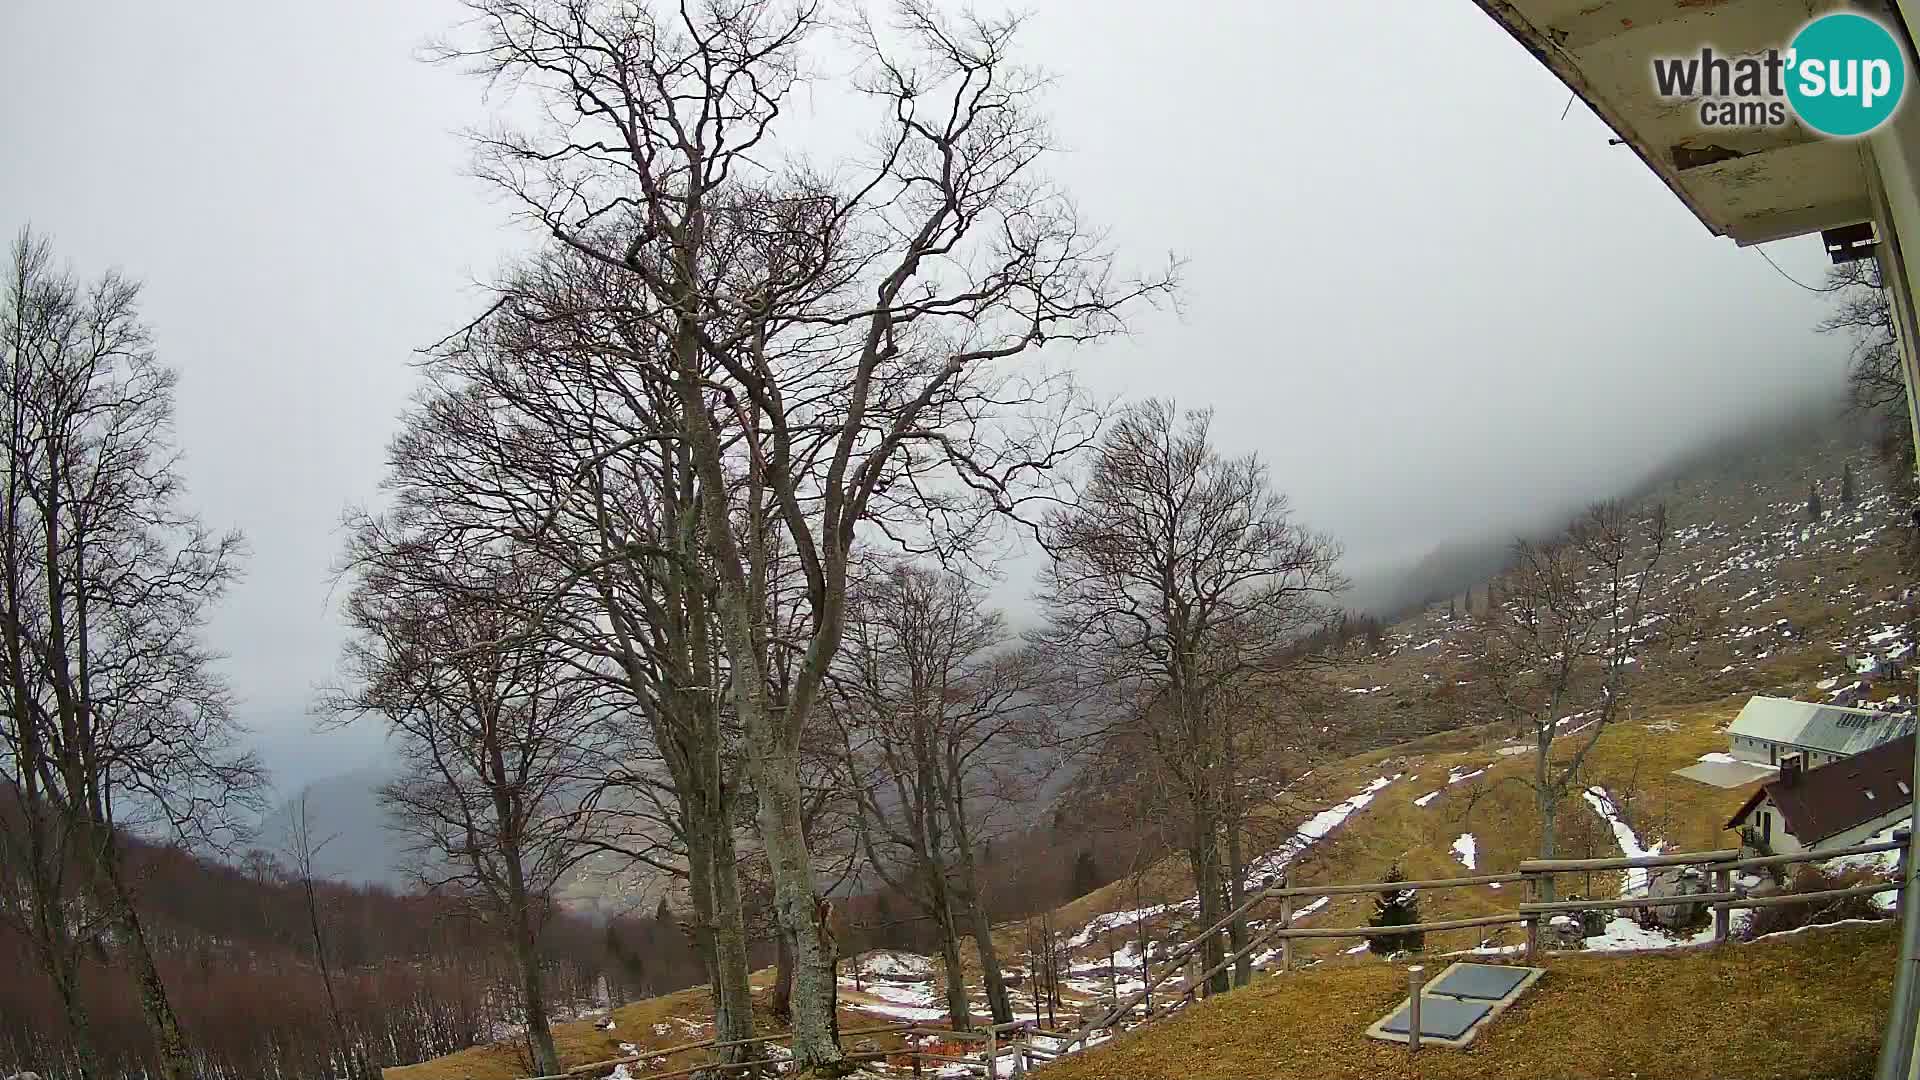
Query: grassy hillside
[[1805, 1005]]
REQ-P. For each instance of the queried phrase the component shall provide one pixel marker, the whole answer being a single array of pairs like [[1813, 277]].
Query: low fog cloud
[[1432, 304]]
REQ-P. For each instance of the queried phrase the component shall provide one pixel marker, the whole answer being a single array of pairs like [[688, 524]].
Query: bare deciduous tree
[[1178, 579], [113, 717], [934, 708], [836, 340], [1863, 313], [496, 737], [1558, 657], [302, 850]]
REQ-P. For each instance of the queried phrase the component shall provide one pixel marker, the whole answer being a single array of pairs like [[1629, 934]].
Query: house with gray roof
[[1770, 729]]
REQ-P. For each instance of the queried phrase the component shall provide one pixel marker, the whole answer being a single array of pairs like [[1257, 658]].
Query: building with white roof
[[1771, 728]]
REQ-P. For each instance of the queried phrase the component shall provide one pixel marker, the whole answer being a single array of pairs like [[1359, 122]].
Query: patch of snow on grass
[[1802, 930], [1311, 908], [1465, 850], [1513, 751], [908, 994], [1719, 757], [1623, 935], [1455, 775], [1313, 830], [1633, 881], [890, 964], [1112, 920], [902, 1012]]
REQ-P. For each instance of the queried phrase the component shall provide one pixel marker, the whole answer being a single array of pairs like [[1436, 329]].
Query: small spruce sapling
[[1396, 907]]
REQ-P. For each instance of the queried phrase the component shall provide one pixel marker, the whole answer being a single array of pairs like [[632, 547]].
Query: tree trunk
[[773, 765], [79, 1034], [953, 796], [775, 770], [1549, 808], [999, 1003], [1236, 888], [733, 996], [526, 955], [782, 1002], [170, 1044], [351, 1058], [957, 1010], [1203, 851], [719, 930]]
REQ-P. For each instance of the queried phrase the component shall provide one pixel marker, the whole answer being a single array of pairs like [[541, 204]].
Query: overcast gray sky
[[1426, 299]]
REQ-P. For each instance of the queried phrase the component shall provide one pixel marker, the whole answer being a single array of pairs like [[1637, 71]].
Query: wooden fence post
[[1722, 917], [1286, 923], [993, 1053], [914, 1043], [1533, 921], [1416, 977], [1901, 868]]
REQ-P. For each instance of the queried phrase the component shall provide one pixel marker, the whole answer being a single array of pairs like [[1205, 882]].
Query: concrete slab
[[1727, 774]]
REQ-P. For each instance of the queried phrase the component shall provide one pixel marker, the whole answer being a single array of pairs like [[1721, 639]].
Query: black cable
[[1783, 273]]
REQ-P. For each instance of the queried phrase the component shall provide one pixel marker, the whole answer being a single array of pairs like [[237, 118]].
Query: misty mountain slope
[[1797, 602], [345, 811], [1763, 450]]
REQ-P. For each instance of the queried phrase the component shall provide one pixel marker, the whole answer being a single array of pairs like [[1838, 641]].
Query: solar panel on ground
[[1440, 1018], [1487, 982]]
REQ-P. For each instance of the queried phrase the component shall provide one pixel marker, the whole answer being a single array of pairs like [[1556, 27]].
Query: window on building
[[1766, 827]]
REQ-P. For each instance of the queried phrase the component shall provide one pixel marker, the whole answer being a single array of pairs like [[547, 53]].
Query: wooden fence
[[1019, 1036], [1014, 1039], [1724, 898]]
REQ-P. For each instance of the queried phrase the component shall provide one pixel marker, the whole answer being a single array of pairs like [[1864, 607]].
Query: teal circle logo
[[1846, 73]]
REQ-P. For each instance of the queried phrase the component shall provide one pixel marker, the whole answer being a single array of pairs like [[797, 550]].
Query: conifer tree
[[1086, 873], [1396, 907]]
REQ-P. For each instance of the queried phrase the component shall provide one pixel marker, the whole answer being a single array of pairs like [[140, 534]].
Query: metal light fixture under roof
[[1847, 243]]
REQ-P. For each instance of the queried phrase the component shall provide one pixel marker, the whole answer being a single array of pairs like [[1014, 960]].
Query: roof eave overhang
[[1774, 183], [1523, 30]]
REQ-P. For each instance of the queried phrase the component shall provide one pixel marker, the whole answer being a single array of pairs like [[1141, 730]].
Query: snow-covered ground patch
[[1804, 929], [1514, 751], [901, 1012], [890, 964], [1457, 774], [1719, 757], [1114, 920], [1465, 850], [1633, 881], [1623, 934], [1312, 831]]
